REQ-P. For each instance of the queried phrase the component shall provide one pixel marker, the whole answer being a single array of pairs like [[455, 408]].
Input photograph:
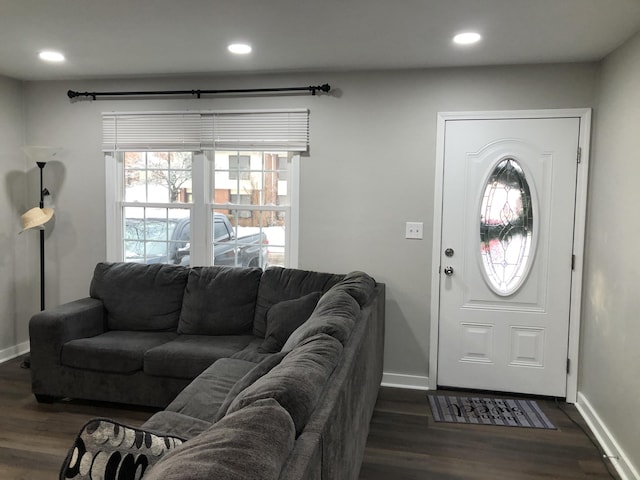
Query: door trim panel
[[584, 115]]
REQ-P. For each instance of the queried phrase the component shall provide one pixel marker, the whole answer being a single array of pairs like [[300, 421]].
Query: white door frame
[[584, 114]]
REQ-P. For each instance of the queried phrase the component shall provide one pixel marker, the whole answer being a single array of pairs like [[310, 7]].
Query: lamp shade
[[41, 153], [36, 217]]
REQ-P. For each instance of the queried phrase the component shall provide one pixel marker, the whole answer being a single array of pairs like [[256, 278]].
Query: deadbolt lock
[[449, 252]]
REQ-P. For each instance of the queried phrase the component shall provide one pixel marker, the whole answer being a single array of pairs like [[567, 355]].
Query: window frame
[[203, 169]]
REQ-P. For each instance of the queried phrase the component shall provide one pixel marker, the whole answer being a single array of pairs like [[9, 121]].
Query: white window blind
[[287, 131], [191, 131], [151, 131]]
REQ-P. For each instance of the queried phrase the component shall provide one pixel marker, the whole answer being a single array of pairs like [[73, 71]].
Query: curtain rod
[[198, 93]]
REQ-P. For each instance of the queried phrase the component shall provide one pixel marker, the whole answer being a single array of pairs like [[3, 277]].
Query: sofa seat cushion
[[140, 297], [187, 356], [115, 351], [298, 381], [175, 424], [219, 301], [280, 284], [202, 398], [252, 351], [254, 443]]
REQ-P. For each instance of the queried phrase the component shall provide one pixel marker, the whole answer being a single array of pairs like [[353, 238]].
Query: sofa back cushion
[[335, 315], [280, 284], [138, 296], [284, 317], [298, 381], [359, 285], [219, 301], [253, 443], [261, 369]]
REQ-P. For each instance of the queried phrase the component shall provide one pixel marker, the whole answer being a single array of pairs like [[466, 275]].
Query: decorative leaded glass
[[506, 227]]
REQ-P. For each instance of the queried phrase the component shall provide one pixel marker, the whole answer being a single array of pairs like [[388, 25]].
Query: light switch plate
[[414, 230]]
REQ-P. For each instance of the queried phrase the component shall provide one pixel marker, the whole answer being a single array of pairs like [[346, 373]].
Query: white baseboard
[[14, 351], [608, 443], [412, 382]]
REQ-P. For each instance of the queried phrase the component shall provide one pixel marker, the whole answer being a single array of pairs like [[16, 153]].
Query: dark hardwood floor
[[404, 441], [34, 437]]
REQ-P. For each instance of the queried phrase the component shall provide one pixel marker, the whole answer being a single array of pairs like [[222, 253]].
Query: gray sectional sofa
[[261, 375]]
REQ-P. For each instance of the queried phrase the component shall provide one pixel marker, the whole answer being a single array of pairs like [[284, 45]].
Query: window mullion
[[114, 172], [157, 205], [257, 208], [200, 220], [291, 229]]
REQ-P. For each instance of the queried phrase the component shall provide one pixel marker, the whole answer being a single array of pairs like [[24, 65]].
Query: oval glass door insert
[[506, 227]]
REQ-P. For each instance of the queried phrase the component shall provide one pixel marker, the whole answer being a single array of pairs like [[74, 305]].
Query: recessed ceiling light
[[467, 38], [239, 48], [51, 56]]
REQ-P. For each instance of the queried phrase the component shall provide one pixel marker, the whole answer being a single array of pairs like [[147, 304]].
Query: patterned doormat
[[488, 411]]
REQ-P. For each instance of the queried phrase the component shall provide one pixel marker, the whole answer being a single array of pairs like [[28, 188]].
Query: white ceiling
[[107, 38]]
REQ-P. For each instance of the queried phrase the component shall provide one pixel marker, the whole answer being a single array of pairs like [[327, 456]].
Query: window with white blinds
[[177, 180], [281, 130]]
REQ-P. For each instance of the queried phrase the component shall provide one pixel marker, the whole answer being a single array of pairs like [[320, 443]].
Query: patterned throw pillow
[[107, 450]]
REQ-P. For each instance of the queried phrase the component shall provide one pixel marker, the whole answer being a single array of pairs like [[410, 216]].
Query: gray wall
[[16, 290], [370, 169], [610, 364]]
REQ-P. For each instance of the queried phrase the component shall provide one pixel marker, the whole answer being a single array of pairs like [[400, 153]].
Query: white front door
[[507, 239]]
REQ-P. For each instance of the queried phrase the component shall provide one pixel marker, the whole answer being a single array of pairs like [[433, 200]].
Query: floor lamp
[[39, 216]]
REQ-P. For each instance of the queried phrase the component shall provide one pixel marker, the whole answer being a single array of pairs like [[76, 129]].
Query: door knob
[[448, 271]]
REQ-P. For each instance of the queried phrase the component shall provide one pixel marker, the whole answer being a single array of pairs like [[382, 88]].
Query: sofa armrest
[[52, 328]]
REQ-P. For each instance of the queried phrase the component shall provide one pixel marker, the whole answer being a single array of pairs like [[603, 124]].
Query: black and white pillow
[[108, 450]]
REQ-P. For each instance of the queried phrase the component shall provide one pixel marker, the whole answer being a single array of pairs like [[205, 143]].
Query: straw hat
[[36, 217]]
